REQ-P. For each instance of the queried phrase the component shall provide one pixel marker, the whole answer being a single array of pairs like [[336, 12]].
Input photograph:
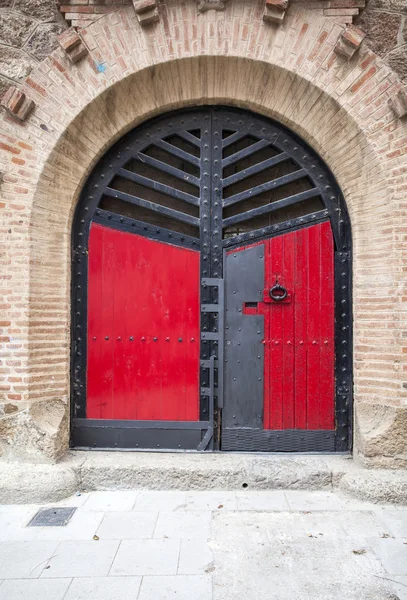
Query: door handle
[[278, 292]]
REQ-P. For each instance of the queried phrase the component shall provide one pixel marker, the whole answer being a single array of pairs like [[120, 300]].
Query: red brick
[[69, 39], [8, 148], [13, 99], [35, 86]]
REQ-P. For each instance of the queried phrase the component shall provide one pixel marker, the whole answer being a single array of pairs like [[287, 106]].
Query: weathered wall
[[385, 23], [28, 32], [288, 72]]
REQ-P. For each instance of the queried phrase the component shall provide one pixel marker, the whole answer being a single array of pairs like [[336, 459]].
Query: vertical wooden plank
[[131, 344], [106, 311], [287, 311], [149, 283], [300, 323], [119, 293], [192, 336], [314, 328], [95, 335], [327, 359], [276, 339], [173, 284]]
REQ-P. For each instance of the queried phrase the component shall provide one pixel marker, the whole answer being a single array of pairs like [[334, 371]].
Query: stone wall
[[28, 32], [385, 23]]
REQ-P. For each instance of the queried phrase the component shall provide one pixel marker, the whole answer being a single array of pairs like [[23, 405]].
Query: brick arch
[[340, 108]]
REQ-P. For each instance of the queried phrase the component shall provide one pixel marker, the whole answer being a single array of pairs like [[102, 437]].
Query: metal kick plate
[[52, 517]]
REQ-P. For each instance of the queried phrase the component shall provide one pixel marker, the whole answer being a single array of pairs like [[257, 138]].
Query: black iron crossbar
[[276, 229], [189, 137], [245, 153], [258, 168], [124, 424], [268, 208], [166, 168], [233, 138], [121, 223], [159, 187], [175, 151], [164, 210], [264, 187]]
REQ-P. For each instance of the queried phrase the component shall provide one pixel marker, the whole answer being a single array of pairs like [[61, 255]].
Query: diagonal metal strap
[[258, 168], [233, 138], [159, 187], [189, 137], [269, 208], [234, 158], [265, 187], [178, 152], [169, 169], [158, 208]]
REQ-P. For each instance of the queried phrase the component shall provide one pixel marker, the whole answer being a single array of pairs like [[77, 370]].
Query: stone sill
[[89, 471]]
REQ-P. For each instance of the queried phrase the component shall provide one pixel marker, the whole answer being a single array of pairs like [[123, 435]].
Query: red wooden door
[[287, 343], [299, 335], [143, 328]]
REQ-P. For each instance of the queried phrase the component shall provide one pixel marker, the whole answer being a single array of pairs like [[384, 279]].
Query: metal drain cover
[[52, 517]]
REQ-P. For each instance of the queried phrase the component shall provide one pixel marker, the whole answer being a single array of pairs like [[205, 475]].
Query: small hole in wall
[[245, 485]]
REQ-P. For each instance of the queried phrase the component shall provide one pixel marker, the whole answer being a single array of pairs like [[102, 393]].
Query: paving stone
[[258, 551], [107, 501], [74, 500], [211, 501], [180, 588], [357, 525], [146, 557], [400, 586], [127, 525], [37, 589], [248, 564], [82, 526], [195, 558], [262, 501], [24, 560], [392, 554], [104, 588], [158, 501], [11, 522], [300, 500], [395, 521], [82, 559], [183, 525]]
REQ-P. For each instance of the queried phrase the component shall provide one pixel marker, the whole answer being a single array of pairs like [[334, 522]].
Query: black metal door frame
[[212, 121]]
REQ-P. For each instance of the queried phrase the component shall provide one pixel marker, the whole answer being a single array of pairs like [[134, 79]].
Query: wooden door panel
[[301, 376], [143, 328], [298, 341]]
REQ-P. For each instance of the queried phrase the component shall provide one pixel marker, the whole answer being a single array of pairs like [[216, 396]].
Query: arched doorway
[[212, 291]]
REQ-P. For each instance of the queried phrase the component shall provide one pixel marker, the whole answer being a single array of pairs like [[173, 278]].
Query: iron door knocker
[[281, 292]]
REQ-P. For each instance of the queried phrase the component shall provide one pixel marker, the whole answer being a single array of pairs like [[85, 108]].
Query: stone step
[[90, 471]]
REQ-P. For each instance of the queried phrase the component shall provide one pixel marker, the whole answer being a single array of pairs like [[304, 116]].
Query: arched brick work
[[231, 57]]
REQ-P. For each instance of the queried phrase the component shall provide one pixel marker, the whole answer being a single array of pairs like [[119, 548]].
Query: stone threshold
[[22, 483]]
